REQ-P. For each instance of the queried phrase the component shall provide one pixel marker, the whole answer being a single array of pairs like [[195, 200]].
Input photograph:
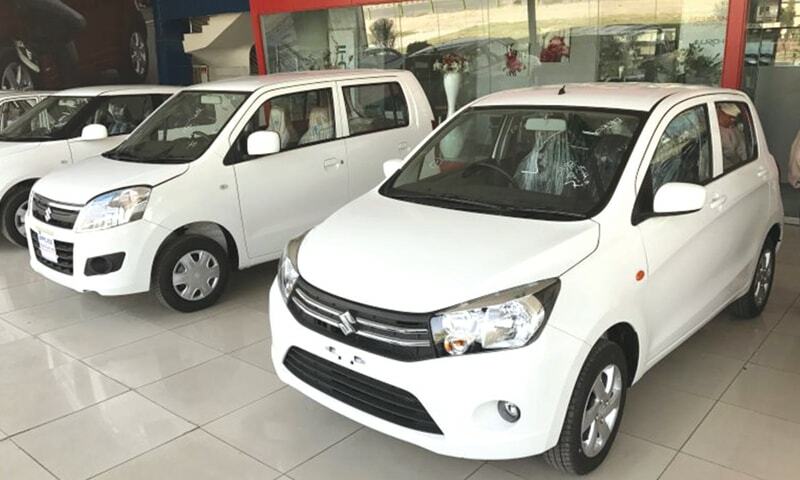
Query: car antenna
[[562, 90]]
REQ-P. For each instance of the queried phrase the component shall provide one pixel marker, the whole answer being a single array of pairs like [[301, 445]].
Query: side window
[[375, 107], [301, 119], [736, 134], [10, 111], [121, 115]]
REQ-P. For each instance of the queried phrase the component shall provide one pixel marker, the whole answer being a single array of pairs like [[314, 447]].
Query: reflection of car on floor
[[64, 128], [57, 44], [15, 104]]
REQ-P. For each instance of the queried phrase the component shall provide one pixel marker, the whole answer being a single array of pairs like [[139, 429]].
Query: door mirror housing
[[93, 132], [390, 167], [676, 198], [265, 142]]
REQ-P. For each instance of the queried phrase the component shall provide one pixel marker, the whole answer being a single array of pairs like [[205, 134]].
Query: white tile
[[151, 359], [693, 371], [16, 465], [194, 456], [101, 437], [749, 442], [790, 323], [257, 354], [490, 472], [780, 351], [210, 390], [686, 467], [42, 396], [149, 308], [230, 330], [389, 459], [283, 429], [663, 415], [62, 313], [23, 358], [101, 334], [15, 275], [767, 391], [733, 338], [30, 294], [629, 457], [10, 333]]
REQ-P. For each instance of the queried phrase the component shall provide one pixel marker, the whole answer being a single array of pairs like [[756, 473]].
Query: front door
[[284, 194], [682, 250]]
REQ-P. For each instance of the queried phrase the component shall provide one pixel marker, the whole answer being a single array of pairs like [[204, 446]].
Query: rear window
[[375, 107]]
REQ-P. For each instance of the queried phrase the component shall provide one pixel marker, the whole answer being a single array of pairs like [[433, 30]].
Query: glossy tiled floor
[[120, 388]]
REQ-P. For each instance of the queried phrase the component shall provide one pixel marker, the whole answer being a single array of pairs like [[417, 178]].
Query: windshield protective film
[[530, 162], [182, 129]]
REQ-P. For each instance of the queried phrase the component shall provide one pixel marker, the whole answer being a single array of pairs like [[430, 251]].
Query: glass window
[[12, 110], [371, 108], [736, 134], [532, 162], [50, 119], [120, 115], [684, 151], [182, 130]]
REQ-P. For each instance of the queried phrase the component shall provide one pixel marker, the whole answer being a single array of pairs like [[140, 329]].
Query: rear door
[[380, 123], [284, 194], [683, 254]]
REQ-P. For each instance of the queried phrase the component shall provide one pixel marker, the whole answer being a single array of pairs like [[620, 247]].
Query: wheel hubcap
[[138, 54], [196, 275], [16, 77], [601, 411], [763, 277], [19, 218]]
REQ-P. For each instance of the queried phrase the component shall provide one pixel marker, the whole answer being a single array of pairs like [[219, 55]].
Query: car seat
[[320, 126], [279, 123]]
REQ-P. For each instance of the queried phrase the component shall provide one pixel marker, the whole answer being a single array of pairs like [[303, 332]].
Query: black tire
[[130, 72], [568, 454], [167, 263], [8, 212], [10, 60], [753, 302]]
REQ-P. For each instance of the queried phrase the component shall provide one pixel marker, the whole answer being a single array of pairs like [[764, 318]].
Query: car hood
[[416, 258], [12, 148], [80, 183]]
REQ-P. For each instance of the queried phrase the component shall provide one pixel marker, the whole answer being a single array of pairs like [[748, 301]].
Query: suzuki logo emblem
[[48, 214], [347, 323]]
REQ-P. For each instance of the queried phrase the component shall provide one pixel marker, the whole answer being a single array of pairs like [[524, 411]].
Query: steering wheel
[[488, 164]]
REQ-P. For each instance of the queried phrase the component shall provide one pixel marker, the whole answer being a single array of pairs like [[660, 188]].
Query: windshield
[[555, 164], [48, 120], [181, 130]]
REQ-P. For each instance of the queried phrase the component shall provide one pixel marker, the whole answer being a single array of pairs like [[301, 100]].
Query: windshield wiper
[[485, 206]]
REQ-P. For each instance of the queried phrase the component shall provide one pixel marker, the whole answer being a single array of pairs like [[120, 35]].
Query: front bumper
[[139, 241], [460, 394]]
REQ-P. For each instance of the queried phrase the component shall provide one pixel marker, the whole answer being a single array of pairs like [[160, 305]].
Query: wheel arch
[[775, 233], [16, 185], [211, 230], [626, 336]]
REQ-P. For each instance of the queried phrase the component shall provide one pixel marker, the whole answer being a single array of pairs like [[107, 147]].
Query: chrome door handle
[[718, 201], [762, 172], [332, 163]]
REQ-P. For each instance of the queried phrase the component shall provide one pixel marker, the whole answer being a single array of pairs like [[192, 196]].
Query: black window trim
[[385, 129]]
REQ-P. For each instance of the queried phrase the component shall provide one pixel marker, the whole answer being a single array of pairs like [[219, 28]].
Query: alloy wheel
[[196, 275], [763, 277], [601, 411], [19, 218], [16, 77], [138, 54]]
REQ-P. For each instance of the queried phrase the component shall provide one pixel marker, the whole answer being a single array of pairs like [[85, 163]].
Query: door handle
[[762, 172], [402, 147], [718, 200], [332, 163]]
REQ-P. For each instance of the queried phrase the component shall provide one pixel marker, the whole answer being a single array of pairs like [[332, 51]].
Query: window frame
[[104, 99], [234, 156], [346, 105], [741, 102]]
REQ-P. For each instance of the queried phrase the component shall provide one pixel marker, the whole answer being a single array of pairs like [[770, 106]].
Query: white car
[[14, 104], [539, 253], [221, 177], [65, 128]]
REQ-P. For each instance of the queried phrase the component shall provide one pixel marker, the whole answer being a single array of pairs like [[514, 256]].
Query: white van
[[221, 177], [64, 128]]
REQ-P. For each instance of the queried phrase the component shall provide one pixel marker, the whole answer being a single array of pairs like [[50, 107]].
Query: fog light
[[508, 411]]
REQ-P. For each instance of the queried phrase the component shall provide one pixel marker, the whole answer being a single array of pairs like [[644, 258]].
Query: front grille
[[359, 391], [64, 251], [60, 215], [395, 335]]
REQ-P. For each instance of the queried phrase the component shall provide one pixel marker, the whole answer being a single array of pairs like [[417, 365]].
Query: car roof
[[620, 96], [103, 90], [257, 82], [6, 94]]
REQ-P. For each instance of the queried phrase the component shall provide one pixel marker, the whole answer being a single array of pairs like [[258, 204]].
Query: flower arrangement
[[513, 63], [452, 63]]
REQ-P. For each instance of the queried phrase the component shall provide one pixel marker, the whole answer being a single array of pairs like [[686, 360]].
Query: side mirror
[[262, 143], [679, 198], [94, 131], [390, 167]]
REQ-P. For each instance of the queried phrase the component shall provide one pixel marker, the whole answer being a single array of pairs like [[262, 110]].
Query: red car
[[56, 44]]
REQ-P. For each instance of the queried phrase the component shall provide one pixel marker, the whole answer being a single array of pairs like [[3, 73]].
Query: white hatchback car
[[64, 128], [532, 259], [221, 177]]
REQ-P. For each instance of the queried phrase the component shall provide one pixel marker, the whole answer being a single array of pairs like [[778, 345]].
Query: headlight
[[113, 209], [287, 270], [509, 319]]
